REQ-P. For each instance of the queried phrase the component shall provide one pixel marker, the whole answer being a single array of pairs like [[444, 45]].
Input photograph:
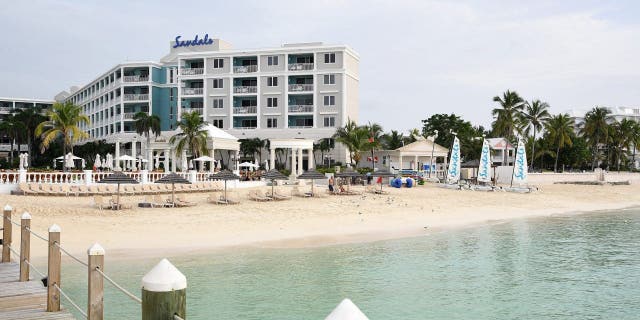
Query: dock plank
[[24, 300]]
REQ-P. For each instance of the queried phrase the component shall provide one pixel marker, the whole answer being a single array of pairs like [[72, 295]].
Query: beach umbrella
[[274, 175], [383, 174], [118, 178], [173, 178], [224, 175], [311, 175]]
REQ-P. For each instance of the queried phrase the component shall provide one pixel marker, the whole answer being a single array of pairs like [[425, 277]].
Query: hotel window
[[272, 81], [329, 100], [272, 60], [329, 58], [329, 79], [272, 122], [218, 63], [329, 121], [218, 123], [217, 83], [218, 103], [272, 102]]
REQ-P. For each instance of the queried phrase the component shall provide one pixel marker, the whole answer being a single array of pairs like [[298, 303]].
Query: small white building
[[417, 155], [499, 147]]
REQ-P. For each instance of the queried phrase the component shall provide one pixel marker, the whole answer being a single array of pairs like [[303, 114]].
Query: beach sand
[[300, 222]]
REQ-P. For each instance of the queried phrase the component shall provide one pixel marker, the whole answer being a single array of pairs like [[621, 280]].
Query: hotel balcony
[[245, 89], [136, 97], [300, 66], [137, 78], [301, 109], [191, 110], [128, 115], [192, 91], [300, 122], [245, 69], [6, 109], [245, 122], [300, 87], [245, 110], [191, 71]]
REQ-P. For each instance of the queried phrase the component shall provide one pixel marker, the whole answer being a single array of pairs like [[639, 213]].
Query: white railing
[[135, 97], [196, 110], [300, 66], [300, 108], [245, 89], [136, 78], [6, 109], [300, 127], [191, 71], [245, 69], [244, 128], [128, 115], [301, 87], [243, 110], [192, 91]]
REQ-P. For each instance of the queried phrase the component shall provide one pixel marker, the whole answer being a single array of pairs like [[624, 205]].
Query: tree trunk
[[533, 149], [11, 154], [555, 167]]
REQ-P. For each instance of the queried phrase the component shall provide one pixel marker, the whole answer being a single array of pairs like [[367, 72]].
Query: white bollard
[[346, 310], [164, 292]]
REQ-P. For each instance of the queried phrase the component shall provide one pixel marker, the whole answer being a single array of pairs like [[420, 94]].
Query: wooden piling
[[95, 296], [164, 292], [25, 246], [6, 233], [53, 275]]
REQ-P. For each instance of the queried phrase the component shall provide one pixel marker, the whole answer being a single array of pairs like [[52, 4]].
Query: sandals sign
[[193, 42]]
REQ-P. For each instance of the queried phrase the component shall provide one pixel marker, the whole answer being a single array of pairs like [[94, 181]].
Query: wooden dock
[[24, 300]]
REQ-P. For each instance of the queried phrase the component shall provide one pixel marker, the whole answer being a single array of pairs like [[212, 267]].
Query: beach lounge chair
[[278, 195], [181, 201], [148, 189], [295, 191], [53, 190], [159, 203], [94, 190], [98, 201], [232, 198], [65, 189], [82, 190], [26, 189], [255, 196], [214, 197]]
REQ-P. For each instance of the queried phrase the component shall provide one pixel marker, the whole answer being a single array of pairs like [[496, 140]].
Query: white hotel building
[[296, 91]]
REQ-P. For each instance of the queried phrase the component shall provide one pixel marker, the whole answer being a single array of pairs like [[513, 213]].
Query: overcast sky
[[417, 58]]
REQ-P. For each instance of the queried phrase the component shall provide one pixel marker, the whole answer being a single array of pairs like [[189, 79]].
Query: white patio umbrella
[[109, 160], [128, 159], [97, 163], [202, 159], [185, 165], [255, 162], [69, 160], [157, 162], [84, 164], [219, 164]]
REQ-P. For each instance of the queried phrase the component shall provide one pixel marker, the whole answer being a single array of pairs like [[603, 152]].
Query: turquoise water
[[578, 267]]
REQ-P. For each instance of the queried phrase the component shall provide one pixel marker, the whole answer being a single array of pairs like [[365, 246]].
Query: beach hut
[[274, 175], [311, 175], [224, 175], [173, 178], [382, 174], [118, 178]]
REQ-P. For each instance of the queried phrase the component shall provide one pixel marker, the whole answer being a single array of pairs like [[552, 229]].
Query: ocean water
[[564, 267]]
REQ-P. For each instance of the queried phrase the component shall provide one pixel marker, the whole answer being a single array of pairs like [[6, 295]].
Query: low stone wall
[[550, 178]]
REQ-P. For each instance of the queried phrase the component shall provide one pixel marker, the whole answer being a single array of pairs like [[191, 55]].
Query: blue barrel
[[409, 183], [396, 183]]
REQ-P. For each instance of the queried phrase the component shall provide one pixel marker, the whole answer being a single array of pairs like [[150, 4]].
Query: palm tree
[[507, 115], [146, 125], [595, 129], [30, 118], [192, 136], [622, 138], [374, 139], [64, 121], [393, 140], [347, 135], [560, 128], [13, 129], [534, 117], [635, 142]]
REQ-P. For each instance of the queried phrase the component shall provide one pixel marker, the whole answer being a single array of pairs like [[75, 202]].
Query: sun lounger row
[[125, 189]]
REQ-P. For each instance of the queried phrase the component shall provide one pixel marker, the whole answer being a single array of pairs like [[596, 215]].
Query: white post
[[164, 292], [133, 154], [212, 163], [400, 162], [144, 176], [415, 163], [149, 158], [22, 175], [88, 174], [272, 158], [118, 155], [294, 173], [95, 283], [299, 162], [312, 159], [193, 176], [237, 161]]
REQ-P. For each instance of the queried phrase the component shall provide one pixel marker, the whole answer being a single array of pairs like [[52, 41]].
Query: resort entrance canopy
[[409, 156], [296, 146]]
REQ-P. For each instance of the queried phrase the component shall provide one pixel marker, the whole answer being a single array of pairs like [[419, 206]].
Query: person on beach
[[331, 182]]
